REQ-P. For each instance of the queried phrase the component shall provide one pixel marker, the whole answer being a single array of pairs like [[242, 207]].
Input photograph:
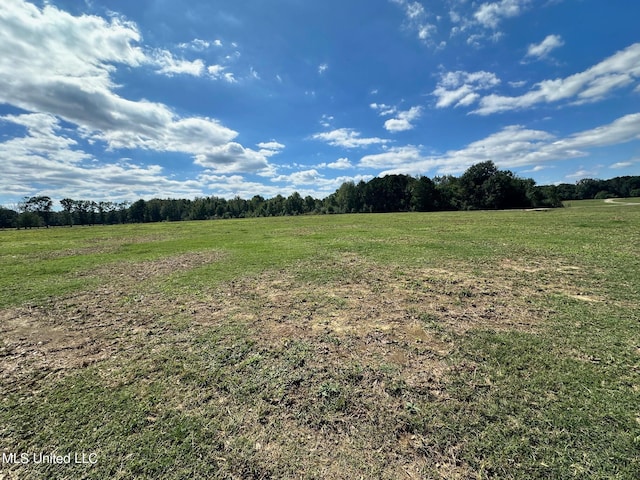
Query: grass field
[[438, 345]]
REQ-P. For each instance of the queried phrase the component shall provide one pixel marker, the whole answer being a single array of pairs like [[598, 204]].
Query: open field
[[465, 345]]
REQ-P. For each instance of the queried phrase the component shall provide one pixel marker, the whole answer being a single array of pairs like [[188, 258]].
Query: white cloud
[[417, 17], [347, 138], [230, 186], [617, 71], [415, 10], [323, 68], [621, 165], [383, 109], [233, 157], [511, 147], [401, 158], [199, 45], [45, 69], [311, 182], [490, 15], [582, 173], [340, 164], [303, 177], [44, 156], [403, 120], [460, 88], [272, 146], [326, 120], [170, 66], [218, 72], [542, 49]]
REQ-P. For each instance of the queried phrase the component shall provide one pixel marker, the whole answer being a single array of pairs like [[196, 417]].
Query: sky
[[118, 100]]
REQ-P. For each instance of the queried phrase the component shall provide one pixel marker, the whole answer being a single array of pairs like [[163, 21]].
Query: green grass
[[438, 345]]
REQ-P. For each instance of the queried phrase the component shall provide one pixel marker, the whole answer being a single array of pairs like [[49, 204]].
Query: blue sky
[[120, 100]]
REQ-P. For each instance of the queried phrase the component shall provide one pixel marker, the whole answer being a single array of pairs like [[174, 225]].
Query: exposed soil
[[378, 314], [85, 327], [373, 316]]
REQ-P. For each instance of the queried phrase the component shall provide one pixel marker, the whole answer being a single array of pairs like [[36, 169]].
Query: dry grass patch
[[334, 375], [86, 327]]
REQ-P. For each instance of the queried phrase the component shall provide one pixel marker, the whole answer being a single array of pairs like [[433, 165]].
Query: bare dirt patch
[[85, 327], [372, 314], [381, 340], [378, 343], [378, 314], [366, 299]]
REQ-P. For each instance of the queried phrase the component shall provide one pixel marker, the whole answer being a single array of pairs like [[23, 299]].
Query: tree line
[[481, 187]]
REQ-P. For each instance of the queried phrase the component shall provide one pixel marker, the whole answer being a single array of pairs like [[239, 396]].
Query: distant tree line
[[481, 187], [588, 188]]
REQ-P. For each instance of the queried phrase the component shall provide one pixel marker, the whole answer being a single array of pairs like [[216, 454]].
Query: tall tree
[[40, 205], [137, 211]]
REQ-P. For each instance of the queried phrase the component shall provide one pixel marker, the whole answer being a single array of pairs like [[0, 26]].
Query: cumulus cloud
[[170, 66], [617, 71], [230, 186], [542, 49], [323, 68], [490, 15], [461, 88], [403, 120], [311, 182], [58, 64], [272, 146], [340, 164], [512, 147], [303, 177], [347, 138], [45, 155], [233, 157], [407, 157]]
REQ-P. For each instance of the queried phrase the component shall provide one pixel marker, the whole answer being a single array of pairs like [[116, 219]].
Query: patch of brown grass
[[88, 326], [368, 320]]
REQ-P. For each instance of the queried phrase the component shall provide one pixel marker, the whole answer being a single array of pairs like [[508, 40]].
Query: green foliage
[[589, 188], [8, 218], [481, 187]]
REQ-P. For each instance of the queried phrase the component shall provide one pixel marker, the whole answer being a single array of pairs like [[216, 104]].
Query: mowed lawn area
[[466, 345]]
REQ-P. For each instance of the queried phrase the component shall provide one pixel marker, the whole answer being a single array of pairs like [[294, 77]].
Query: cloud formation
[[55, 63], [460, 89], [542, 49], [46, 156], [340, 164], [416, 18], [347, 138], [490, 15], [512, 147], [403, 120], [617, 71]]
